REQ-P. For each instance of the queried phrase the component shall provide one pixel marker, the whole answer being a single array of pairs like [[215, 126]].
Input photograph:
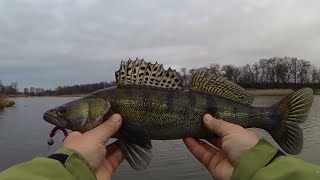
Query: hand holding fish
[[91, 145], [233, 142]]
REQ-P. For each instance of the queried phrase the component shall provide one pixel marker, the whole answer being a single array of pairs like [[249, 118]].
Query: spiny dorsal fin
[[139, 72], [221, 86]]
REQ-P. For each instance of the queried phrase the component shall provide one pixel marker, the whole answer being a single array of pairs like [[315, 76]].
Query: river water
[[23, 136]]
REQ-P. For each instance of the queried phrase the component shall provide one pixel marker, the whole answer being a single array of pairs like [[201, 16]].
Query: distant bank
[[29, 96], [254, 92], [275, 92]]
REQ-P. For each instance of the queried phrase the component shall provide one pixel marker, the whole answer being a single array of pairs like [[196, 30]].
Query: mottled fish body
[[154, 106], [171, 114]]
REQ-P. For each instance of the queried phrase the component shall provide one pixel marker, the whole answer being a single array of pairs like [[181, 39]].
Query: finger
[[220, 156], [202, 151], [115, 157], [112, 147], [104, 131], [218, 126], [103, 174], [207, 146], [209, 155], [220, 167], [111, 162], [217, 142]]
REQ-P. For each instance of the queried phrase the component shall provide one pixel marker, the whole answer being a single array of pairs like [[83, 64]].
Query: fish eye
[[61, 110]]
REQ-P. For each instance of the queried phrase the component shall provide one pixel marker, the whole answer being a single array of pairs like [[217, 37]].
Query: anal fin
[[137, 156], [136, 146]]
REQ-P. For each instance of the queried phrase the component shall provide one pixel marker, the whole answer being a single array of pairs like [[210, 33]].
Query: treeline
[[67, 90], [33, 91], [82, 89], [9, 89], [276, 72]]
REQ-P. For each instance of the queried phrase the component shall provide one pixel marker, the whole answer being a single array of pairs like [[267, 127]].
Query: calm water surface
[[23, 136]]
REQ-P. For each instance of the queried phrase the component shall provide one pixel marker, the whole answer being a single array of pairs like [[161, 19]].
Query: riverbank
[[69, 95], [4, 102], [254, 92], [275, 92]]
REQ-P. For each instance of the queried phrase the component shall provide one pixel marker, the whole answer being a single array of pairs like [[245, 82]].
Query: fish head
[[82, 114]]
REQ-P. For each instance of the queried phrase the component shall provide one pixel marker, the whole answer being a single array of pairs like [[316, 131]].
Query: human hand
[[91, 144], [232, 143]]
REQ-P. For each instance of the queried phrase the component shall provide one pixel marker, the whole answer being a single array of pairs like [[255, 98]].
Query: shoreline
[[25, 96], [275, 92], [254, 92]]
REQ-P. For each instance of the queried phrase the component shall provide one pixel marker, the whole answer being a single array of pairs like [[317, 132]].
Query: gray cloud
[[51, 43]]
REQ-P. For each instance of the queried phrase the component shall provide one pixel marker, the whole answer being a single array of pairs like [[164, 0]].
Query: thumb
[[219, 126], [105, 131]]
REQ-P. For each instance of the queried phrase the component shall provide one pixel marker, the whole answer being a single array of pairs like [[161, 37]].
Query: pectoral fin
[[136, 146]]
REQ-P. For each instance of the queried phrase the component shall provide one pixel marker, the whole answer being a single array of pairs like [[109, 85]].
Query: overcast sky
[[65, 42]]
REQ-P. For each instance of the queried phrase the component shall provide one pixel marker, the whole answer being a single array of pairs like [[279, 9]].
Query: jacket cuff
[[253, 160], [75, 163]]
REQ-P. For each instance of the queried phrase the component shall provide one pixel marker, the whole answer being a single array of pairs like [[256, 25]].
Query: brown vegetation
[[275, 92], [4, 102]]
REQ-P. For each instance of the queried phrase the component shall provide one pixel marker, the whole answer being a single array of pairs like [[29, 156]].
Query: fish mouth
[[54, 121]]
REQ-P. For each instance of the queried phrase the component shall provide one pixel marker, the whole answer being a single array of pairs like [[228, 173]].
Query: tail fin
[[293, 110]]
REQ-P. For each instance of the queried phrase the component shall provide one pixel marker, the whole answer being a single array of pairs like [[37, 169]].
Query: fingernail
[[207, 117], [115, 118]]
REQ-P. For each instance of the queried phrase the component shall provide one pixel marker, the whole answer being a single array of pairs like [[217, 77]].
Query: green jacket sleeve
[[75, 167], [258, 164]]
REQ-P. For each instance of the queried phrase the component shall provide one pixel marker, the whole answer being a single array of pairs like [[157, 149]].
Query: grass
[[275, 92]]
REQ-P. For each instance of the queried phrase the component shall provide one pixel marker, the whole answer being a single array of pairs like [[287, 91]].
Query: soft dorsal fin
[[139, 72], [221, 86]]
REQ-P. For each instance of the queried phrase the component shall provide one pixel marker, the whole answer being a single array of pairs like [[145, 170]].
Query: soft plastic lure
[[54, 132]]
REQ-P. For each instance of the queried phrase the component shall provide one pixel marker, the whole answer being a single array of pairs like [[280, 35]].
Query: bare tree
[[230, 72], [255, 72], [305, 68], [271, 69], [264, 68], [26, 91], [2, 87], [315, 74], [32, 91], [294, 69], [246, 74], [214, 69], [281, 70]]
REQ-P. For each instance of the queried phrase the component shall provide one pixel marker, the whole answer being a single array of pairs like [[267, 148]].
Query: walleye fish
[[154, 106]]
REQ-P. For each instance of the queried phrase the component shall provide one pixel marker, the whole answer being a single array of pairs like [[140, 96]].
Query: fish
[[154, 105]]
